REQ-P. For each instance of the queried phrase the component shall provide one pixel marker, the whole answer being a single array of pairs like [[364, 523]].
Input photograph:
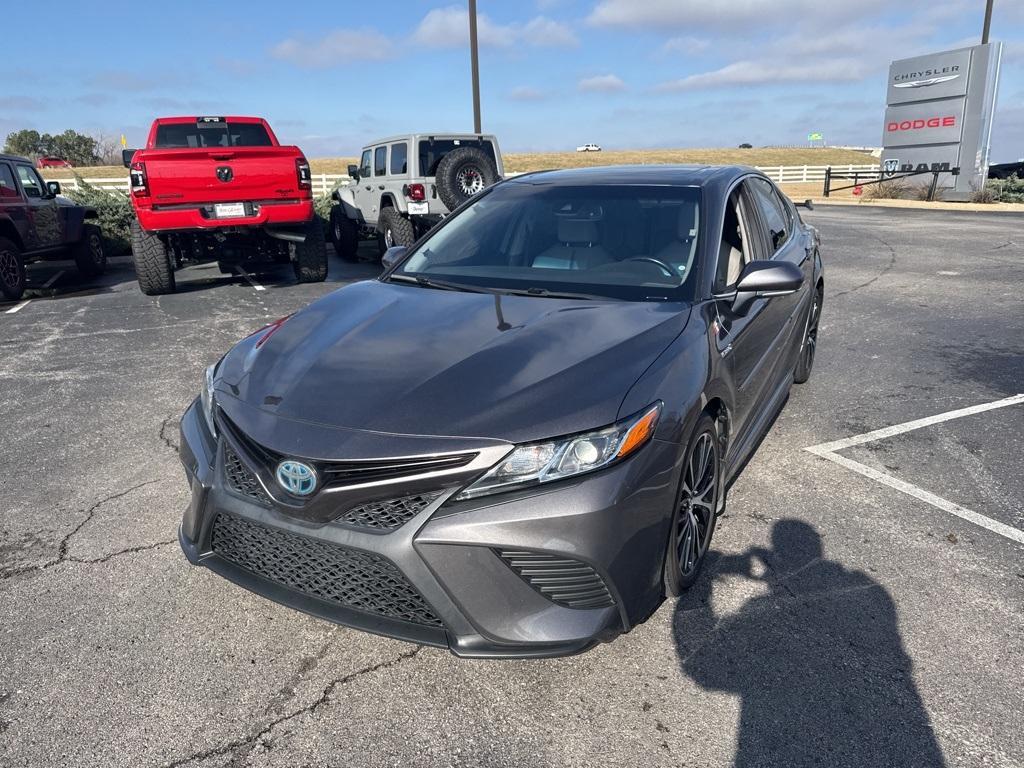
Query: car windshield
[[628, 242]]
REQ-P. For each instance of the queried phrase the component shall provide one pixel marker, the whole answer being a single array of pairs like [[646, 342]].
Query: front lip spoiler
[[472, 647]]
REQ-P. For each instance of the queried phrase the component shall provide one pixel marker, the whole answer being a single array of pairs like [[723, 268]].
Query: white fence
[[323, 183]]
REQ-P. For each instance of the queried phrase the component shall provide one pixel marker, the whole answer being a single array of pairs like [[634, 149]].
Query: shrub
[[921, 191], [985, 194], [889, 189], [1009, 190], [114, 210]]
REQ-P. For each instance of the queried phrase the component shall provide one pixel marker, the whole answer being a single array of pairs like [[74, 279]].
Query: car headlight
[[206, 398], [536, 463]]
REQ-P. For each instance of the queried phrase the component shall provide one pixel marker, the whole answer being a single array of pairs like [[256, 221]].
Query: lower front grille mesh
[[562, 580], [340, 575], [390, 514]]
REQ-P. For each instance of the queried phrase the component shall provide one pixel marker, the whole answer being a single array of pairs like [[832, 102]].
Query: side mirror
[[353, 171], [764, 279], [53, 187], [126, 157], [393, 255], [808, 204]]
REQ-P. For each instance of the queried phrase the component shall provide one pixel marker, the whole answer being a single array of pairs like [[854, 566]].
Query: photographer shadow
[[817, 661]]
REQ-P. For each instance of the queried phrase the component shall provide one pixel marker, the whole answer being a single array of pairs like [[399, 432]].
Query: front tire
[[90, 258], [152, 261], [693, 520], [809, 345], [12, 270], [311, 255], [344, 234]]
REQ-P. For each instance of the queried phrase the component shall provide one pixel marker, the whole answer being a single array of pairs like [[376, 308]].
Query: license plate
[[228, 210], [419, 207]]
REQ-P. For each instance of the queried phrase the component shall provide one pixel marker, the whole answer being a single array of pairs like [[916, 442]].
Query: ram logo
[[224, 173], [890, 166]]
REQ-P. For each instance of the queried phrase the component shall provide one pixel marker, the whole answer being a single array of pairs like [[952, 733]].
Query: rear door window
[[399, 158], [432, 151], [380, 161], [216, 134], [8, 189]]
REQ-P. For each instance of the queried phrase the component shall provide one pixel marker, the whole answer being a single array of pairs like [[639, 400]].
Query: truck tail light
[[139, 182], [303, 173], [415, 192]]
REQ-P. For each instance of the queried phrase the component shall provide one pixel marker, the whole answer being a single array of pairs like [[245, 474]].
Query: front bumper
[[532, 574]]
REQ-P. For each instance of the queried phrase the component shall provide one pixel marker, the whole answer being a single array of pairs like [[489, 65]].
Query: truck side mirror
[[126, 157], [353, 171], [53, 187]]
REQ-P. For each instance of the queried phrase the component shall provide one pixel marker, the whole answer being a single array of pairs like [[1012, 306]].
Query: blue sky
[[554, 73]]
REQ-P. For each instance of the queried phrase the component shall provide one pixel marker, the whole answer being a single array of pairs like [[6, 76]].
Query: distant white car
[[589, 148]]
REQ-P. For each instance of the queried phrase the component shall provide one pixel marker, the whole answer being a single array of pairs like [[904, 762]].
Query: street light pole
[[984, 30], [476, 65]]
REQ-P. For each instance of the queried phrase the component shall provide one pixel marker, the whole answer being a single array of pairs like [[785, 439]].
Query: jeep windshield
[[631, 243]]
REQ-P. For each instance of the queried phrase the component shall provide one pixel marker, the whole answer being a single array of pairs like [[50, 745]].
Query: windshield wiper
[[534, 291], [429, 282]]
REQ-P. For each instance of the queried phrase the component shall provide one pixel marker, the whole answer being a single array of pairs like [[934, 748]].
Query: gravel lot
[[841, 622]]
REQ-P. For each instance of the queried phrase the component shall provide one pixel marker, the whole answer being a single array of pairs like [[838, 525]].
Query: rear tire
[[152, 262], [395, 229], [697, 501], [12, 270], [90, 257], [462, 173], [344, 234], [311, 255]]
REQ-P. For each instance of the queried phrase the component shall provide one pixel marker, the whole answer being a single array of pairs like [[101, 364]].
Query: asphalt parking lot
[[842, 621]]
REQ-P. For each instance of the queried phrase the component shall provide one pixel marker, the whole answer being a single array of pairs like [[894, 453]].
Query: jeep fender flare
[[346, 200]]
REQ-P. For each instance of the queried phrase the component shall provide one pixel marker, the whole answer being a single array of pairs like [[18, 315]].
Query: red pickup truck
[[221, 188]]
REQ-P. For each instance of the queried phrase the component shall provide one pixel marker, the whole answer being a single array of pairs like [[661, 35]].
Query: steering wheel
[[657, 262]]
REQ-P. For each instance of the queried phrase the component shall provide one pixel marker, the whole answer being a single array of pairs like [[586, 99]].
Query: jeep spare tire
[[462, 173]]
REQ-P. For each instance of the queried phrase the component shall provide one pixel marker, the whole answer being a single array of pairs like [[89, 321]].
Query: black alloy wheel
[[810, 341]]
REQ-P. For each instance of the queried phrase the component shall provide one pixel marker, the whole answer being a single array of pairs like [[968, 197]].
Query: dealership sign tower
[[939, 116]]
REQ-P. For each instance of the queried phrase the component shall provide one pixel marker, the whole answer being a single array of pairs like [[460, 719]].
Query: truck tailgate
[[235, 174]]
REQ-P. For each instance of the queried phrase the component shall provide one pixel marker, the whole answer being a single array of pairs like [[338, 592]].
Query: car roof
[[674, 175], [15, 158], [428, 135]]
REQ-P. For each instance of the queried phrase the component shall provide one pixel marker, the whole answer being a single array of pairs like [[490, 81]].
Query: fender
[[347, 200], [8, 230]]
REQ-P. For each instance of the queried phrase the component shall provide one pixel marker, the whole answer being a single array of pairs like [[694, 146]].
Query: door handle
[[368, 187]]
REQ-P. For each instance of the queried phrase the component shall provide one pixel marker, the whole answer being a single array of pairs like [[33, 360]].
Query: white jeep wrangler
[[404, 185]]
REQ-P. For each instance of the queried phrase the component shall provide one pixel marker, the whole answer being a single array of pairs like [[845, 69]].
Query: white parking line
[[18, 307], [53, 279], [249, 277], [829, 451]]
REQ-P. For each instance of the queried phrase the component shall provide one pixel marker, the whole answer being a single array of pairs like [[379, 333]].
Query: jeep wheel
[[311, 255], [12, 271], [463, 173], [344, 234], [395, 229], [90, 257], [152, 262]]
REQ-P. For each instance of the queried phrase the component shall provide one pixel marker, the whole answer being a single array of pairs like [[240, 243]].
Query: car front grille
[[241, 480], [390, 514], [337, 574], [562, 580]]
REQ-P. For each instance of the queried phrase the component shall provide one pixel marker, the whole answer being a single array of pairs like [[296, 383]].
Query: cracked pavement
[[839, 622]]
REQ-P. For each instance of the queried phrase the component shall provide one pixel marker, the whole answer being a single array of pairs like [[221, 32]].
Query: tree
[[24, 142], [75, 147]]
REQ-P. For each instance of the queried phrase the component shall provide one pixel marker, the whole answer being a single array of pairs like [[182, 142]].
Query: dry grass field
[[534, 161]]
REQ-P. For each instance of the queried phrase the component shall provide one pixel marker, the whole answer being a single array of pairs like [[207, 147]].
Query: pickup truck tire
[[88, 252], [344, 234], [395, 229], [311, 255], [462, 173], [12, 271], [152, 262]]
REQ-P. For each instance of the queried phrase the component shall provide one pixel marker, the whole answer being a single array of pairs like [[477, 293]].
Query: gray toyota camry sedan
[[516, 441]]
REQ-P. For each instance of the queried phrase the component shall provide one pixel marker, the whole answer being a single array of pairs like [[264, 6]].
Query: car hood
[[402, 359]]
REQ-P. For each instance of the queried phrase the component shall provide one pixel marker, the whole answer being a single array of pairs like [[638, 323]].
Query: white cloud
[[686, 45], [602, 84], [449, 28], [334, 49], [687, 14], [765, 72], [526, 93]]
